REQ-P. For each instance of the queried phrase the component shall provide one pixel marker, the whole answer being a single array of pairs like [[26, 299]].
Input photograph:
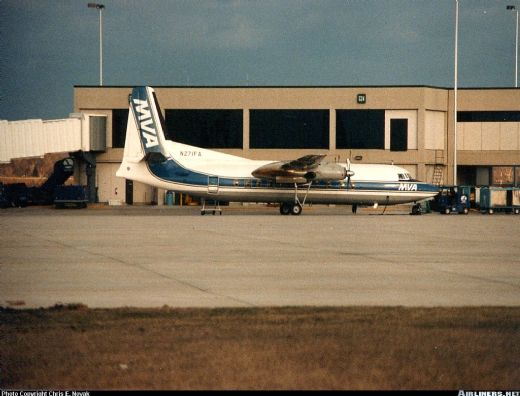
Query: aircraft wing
[[306, 162], [301, 170]]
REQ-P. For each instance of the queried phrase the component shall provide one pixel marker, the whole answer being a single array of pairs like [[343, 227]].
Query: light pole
[[455, 93], [100, 7], [513, 8]]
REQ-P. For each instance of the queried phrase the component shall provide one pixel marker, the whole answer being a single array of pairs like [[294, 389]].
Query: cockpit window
[[405, 177]]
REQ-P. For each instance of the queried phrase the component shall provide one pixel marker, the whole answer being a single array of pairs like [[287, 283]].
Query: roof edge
[[295, 87]]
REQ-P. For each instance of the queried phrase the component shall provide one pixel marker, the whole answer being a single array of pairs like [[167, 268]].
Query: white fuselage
[[226, 177]]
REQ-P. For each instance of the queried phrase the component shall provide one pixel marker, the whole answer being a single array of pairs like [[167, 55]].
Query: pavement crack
[[443, 271], [142, 268]]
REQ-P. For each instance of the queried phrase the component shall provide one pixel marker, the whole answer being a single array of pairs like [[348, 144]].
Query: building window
[[399, 134], [360, 129], [205, 128], [291, 129], [488, 116], [119, 120]]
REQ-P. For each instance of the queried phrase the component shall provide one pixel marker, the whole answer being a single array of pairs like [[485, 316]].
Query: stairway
[[438, 173]]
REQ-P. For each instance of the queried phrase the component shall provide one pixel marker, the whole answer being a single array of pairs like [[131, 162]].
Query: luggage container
[[496, 199], [469, 192], [477, 197], [516, 197], [513, 199]]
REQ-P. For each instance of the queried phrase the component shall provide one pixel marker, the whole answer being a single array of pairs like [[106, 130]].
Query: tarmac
[[252, 256]]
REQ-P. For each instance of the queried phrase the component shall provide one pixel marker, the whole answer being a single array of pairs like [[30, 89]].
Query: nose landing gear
[[295, 208]]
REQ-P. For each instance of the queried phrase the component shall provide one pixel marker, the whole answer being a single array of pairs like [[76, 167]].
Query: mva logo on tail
[[142, 109]]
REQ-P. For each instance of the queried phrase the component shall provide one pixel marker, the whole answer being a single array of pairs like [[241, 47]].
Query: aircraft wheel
[[354, 208], [296, 209], [285, 208]]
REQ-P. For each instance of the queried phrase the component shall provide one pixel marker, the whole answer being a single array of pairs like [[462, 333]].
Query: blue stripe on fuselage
[[171, 171]]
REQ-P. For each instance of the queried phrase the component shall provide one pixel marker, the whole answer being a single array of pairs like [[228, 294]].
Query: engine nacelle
[[290, 180], [300, 172], [327, 172]]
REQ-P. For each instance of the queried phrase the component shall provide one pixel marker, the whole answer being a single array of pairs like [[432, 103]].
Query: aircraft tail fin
[[145, 128]]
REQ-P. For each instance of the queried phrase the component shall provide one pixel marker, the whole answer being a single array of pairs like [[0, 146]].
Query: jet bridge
[[82, 135], [35, 138]]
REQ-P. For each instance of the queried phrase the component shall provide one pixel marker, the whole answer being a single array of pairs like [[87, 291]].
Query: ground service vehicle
[[70, 197], [20, 195], [452, 199]]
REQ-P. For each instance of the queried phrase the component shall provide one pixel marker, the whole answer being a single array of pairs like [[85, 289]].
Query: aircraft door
[[213, 184]]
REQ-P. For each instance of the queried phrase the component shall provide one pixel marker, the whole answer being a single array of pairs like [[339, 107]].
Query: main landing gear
[[287, 208], [295, 208]]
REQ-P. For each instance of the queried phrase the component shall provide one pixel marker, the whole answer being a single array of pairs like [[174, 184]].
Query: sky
[[49, 46]]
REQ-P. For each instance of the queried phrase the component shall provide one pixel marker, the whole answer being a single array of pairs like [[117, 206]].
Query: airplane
[[210, 175]]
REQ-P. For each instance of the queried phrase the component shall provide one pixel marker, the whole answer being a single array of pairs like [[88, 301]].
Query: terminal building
[[410, 126]]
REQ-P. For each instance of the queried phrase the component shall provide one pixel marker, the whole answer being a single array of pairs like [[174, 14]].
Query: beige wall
[[94, 98], [486, 136], [488, 99], [110, 187], [144, 193], [435, 130]]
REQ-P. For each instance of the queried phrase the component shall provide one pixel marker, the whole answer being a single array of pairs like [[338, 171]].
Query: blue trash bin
[[169, 198]]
